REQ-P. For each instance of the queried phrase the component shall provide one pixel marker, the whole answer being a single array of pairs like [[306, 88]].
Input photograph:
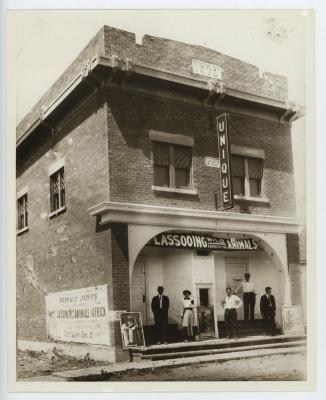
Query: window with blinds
[[247, 175], [172, 165], [57, 190], [255, 175], [22, 212], [238, 175]]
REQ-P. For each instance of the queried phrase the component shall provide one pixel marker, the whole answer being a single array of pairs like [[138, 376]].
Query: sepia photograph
[[161, 197]]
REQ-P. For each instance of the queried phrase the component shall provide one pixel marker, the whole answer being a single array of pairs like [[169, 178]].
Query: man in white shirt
[[231, 303], [249, 297]]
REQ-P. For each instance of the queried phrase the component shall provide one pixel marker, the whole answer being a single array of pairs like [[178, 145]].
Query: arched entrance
[[205, 272]]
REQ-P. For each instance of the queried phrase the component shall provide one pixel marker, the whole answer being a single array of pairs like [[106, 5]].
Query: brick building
[[123, 149]]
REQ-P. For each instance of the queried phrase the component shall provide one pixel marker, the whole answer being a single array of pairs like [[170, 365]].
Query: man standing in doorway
[[249, 297], [267, 309], [160, 308], [231, 303]]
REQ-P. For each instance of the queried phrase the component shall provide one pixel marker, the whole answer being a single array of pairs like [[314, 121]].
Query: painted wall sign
[[224, 148], [292, 318], [212, 162], [199, 241], [206, 69], [79, 315]]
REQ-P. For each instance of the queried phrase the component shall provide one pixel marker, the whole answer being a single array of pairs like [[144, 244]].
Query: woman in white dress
[[188, 316]]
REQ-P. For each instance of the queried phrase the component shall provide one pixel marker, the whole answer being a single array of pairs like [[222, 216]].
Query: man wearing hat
[[188, 316], [267, 309], [249, 297], [160, 307]]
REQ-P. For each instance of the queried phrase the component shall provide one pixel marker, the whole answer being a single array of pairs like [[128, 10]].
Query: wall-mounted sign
[[292, 319], [212, 162], [206, 69], [202, 241], [79, 315], [224, 148]]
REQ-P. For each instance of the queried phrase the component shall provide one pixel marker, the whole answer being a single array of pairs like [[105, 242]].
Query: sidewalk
[[103, 372]]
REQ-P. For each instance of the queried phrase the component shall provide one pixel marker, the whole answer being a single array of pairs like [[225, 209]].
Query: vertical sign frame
[[224, 149]]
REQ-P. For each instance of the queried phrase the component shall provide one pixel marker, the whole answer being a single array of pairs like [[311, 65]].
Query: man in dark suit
[[160, 308], [267, 310]]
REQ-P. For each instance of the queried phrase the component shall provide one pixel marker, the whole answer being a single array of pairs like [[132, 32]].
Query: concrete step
[[211, 344], [192, 353]]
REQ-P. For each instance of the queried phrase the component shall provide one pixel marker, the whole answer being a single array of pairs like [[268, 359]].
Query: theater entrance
[[235, 270]]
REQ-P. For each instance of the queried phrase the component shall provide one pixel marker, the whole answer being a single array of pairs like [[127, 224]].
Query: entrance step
[[220, 346], [245, 328]]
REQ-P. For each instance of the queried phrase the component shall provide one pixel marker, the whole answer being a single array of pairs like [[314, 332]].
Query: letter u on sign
[[223, 142]]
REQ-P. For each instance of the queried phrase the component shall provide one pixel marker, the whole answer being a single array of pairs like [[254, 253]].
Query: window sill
[[57, 212], [23, 230], [248, 199], [192, 192]]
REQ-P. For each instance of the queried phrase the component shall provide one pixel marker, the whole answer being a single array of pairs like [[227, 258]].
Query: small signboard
[[206, 323], [292, 318], [212, 162], [132, 332], [206, 69], [224, 148]]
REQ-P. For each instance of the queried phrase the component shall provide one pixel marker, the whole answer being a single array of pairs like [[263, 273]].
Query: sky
[[46, 42]]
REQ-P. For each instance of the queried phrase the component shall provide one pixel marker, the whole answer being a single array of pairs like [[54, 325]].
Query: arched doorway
[[206, 273]]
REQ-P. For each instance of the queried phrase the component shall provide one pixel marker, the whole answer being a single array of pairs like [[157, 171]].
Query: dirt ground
[[268, 368], [32, 363]]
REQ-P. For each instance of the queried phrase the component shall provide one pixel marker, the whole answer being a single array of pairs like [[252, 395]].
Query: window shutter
[[161, 154], [238, 166], [255, 168], [182, 157]]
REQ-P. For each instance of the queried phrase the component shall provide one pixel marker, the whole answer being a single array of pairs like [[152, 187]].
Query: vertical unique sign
[[225, 165]]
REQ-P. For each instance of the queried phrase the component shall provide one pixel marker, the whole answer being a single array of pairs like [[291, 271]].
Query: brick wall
[[174, 56], [164, 54], [131, 116], [66, 252]]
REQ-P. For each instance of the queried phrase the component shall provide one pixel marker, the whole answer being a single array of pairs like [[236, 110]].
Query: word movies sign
[[225, 167], [79, 315]]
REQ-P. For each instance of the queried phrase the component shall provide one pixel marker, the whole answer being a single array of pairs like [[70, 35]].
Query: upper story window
[[247, 172], [172, 165], [57, 190], [247, 175], [172, 160], [22, 213]]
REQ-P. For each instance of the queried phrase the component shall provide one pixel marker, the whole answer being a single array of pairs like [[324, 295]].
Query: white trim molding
[[247, 151], [183, 218], [21, 192], [168, 189], [55, 166], [171, 138]]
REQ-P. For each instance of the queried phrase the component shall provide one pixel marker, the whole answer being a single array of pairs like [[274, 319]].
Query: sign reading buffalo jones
[[79, 315], [201, 241], [223, 140]]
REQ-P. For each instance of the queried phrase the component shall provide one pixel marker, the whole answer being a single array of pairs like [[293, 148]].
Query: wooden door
[[138, 290], [235, 270]]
